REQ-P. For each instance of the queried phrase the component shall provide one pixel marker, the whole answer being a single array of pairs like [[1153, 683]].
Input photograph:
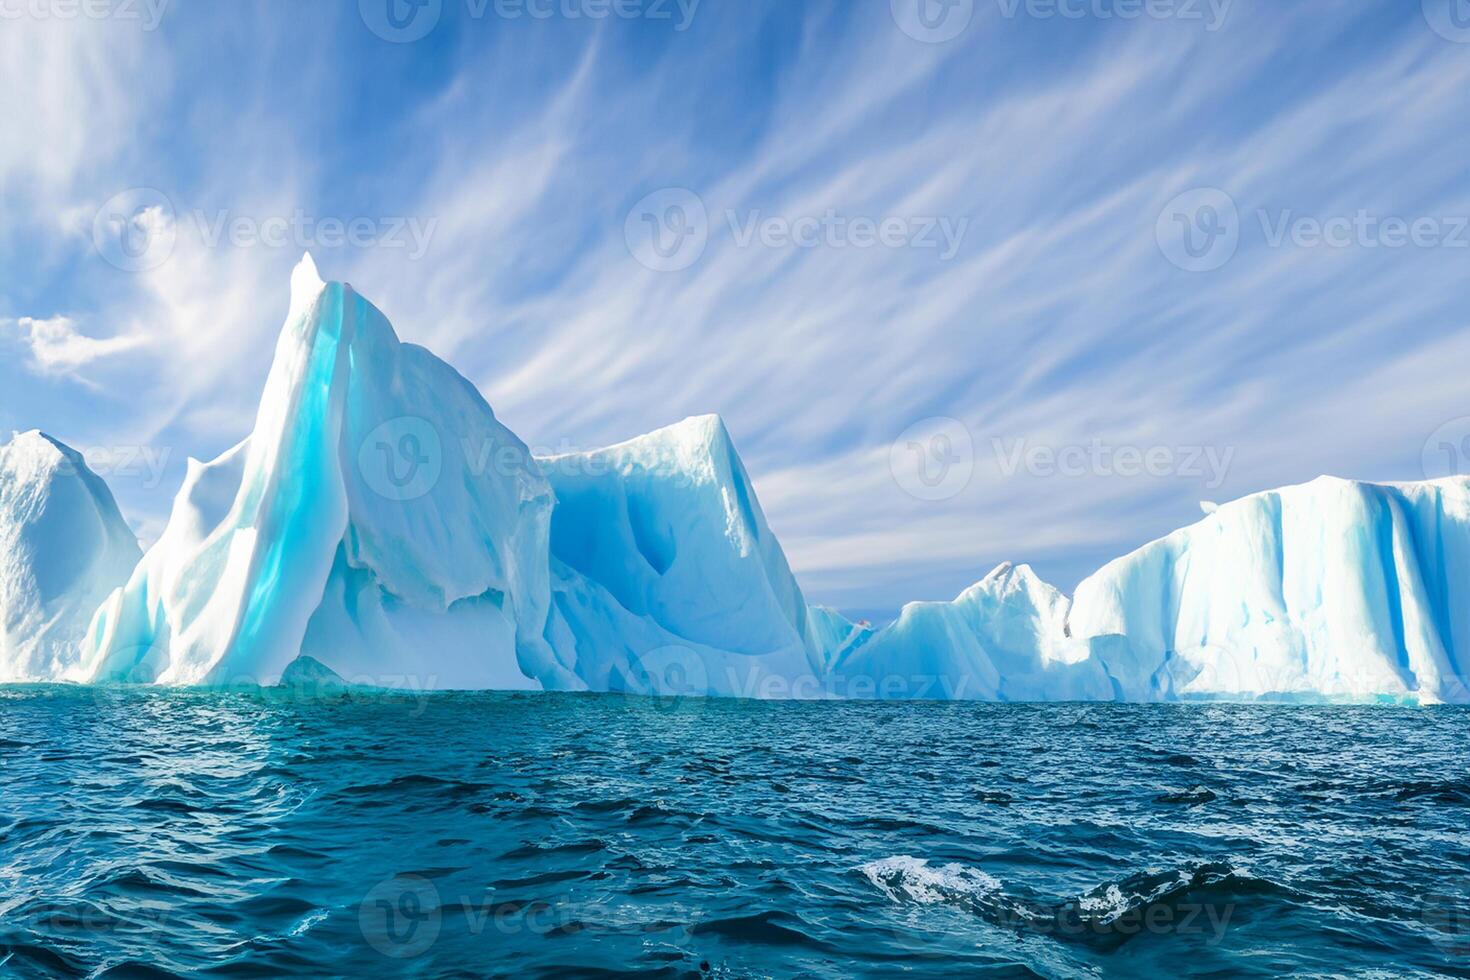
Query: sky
[[970, 281]]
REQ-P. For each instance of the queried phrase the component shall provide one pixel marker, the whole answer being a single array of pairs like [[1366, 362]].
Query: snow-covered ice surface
[[63, 547], [379, 526]]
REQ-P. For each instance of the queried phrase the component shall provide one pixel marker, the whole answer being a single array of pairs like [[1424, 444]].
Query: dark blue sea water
[[223, 834]]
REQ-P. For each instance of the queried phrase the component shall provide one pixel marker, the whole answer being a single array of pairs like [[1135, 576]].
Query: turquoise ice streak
[[157, 833]]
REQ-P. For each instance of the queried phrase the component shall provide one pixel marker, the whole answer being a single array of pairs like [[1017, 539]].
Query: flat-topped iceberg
[[1331, 589], [379, 526]]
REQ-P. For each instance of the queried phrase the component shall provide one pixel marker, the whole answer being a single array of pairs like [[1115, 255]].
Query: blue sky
[[1088, 262]]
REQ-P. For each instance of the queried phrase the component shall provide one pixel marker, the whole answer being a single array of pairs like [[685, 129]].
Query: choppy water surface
[[156, 833]]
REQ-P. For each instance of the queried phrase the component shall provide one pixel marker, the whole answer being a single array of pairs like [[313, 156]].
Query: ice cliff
[[379, 526], [1332, 590]]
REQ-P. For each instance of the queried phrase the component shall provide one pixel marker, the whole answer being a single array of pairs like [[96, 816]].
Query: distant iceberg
[[63, 547], [1332, 589], [1003, 639], [380, 527]]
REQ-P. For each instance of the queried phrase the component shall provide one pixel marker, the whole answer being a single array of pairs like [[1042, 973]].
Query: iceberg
[[378, 520], [379, 526], [666, 576], [64, 546], [1003, 639], [1331, 589]]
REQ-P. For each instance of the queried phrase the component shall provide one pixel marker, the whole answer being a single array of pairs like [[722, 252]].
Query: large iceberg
[[666, 577], [379, 526], [1331, 589], [378, 522], [63, 547]]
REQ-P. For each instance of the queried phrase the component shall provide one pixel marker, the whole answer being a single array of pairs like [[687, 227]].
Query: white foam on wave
[[1105, 907], [907, 878]]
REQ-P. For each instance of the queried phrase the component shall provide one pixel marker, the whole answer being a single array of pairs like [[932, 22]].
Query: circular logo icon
[[932, 21], [402, 459], [933, 459], [113, 669], [400, 917], [668, 230], [1199, 230], [674, 671], [400, 21], [1447, 450], [1450, 19], [134, 231], [672, 678]]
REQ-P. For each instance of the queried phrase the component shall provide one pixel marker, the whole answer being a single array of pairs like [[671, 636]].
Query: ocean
[[156, 833]]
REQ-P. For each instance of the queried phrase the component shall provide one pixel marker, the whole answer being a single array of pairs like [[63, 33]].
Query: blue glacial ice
[[666, 577], [379, 526]]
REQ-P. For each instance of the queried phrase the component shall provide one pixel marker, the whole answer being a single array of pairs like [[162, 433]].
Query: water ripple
[[157, 833]]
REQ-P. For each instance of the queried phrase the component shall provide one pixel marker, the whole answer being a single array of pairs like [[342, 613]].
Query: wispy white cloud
[[57, 347]]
